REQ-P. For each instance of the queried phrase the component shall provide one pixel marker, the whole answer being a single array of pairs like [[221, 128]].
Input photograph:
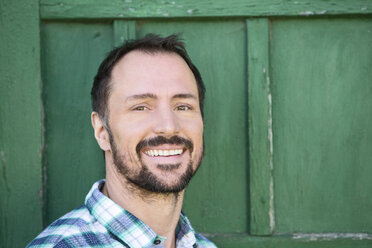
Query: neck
[[159, 211]]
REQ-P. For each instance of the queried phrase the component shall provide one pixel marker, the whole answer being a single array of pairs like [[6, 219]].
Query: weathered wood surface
[[123, 30], [322, 122], [70, 58], [330, 240], [20, 124], [66, 9], [260, 128], [319, 71]]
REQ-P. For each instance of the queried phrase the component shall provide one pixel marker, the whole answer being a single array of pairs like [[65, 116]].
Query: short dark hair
[[151, 43]]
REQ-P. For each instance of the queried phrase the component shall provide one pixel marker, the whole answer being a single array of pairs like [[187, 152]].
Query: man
[[147, 103]]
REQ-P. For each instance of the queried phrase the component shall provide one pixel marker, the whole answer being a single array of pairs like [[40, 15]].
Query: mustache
[[161, 140]]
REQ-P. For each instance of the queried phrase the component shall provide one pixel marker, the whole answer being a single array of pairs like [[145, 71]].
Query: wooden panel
[[260, 128], [322, 117], [289, 241], [20, 124], [216, 200], [62, 9], [123, 30], [71, 55]]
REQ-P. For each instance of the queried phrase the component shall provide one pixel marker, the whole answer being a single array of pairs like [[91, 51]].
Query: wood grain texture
[[260, 128], [288, 241], [322, 117], [66, 9], [20, 123], [70, 57], [123, 30], [216, 199]]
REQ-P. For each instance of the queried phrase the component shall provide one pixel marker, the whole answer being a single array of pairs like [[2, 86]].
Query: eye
[[183, 108], [139, 108]]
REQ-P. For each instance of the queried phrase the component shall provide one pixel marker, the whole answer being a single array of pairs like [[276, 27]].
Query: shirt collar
[[128, 227], [185, 234]]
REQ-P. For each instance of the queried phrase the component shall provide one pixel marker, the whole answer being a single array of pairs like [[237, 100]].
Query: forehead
[[158, 73]]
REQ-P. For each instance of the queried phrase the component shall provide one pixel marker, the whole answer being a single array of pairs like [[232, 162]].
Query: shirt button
[[157, 241]]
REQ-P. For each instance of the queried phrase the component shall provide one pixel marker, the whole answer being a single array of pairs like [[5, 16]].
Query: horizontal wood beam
[[92, 9], [325, 240]]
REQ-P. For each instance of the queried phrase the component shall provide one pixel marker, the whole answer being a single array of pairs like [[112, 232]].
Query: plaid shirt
[[102, 223]]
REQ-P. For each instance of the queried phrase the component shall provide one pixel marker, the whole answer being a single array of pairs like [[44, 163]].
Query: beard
[[146, 179]]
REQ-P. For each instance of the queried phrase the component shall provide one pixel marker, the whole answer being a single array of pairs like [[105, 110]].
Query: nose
[[166, 122]]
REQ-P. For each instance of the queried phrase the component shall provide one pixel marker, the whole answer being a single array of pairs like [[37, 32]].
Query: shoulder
[[203, 242], [68, 231]]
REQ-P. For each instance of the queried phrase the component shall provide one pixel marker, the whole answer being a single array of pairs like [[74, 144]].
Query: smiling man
[[147, 117]]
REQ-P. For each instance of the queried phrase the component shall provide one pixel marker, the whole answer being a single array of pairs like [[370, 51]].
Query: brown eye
[[139, 108], [183, 108]]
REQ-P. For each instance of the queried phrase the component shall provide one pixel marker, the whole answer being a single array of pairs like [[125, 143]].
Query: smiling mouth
[[163, 152]]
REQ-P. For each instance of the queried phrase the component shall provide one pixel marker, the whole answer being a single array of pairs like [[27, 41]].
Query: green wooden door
[[288, 114], [66, 119]]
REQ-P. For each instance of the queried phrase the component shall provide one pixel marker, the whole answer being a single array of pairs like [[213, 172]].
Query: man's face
[[155, 121]]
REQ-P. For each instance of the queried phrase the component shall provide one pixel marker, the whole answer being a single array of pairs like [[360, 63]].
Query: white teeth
[[165, 153]]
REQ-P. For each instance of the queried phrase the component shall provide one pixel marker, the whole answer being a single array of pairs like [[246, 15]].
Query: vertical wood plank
[[260, 128], [71, 53], [20, 123], [123, 30], [323, 124]]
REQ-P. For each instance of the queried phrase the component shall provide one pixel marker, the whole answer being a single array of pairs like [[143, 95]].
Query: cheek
[[128, 134], [194, 130]]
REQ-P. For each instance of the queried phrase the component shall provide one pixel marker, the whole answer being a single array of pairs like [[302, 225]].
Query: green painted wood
[[309, 197], [216, 199], [71, 9], [322, 117], [70, 58], [260, 128], [20, 123], [289, 241], [123, 30]]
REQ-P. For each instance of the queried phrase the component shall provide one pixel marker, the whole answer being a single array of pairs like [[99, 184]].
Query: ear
[[100, 132]]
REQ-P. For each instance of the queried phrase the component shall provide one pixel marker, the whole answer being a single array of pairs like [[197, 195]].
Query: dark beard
[[145, 179]]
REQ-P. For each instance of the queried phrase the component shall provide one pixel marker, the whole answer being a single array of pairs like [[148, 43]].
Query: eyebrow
[[185, 96], [153, 96], [141, 96]]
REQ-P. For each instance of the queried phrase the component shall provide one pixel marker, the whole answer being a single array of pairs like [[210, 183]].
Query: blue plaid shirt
[[102, 223]]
